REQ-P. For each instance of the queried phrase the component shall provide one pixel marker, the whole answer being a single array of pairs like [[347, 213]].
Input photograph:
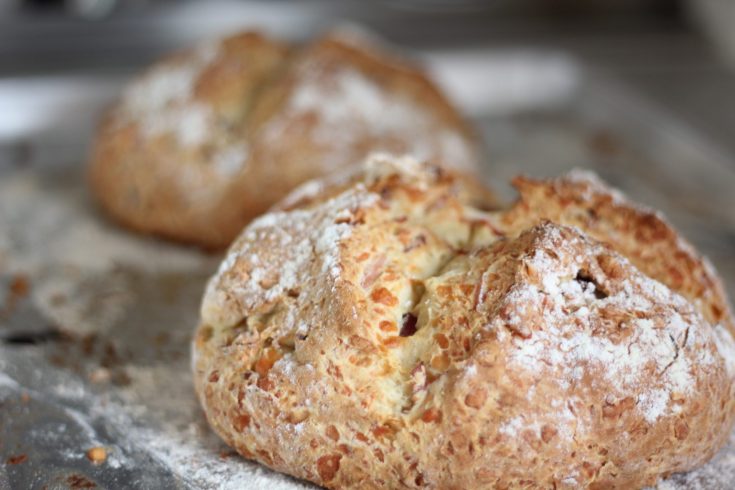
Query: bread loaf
[[210, 138], [392, 335]]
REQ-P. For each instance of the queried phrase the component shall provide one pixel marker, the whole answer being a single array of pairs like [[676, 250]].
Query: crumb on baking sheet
[[17, 459], [20, 285], [97, 455], [78, 481], [18, 288]]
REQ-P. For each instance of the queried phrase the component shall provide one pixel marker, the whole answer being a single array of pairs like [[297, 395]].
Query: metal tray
[[95, 322]]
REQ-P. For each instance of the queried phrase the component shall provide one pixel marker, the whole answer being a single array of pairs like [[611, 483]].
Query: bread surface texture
[[208, 139], [389, 334]]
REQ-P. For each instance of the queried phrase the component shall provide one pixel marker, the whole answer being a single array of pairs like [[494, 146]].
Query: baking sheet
[[95, 322]]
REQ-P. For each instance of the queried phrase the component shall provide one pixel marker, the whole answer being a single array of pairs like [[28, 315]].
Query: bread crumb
[[97, 455], [20, 286], [18, 459], [100, 375]]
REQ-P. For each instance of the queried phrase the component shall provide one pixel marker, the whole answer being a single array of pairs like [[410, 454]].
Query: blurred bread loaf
[[209, 138]]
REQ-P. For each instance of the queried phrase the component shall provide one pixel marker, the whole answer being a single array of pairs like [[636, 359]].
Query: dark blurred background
[[44, 35]]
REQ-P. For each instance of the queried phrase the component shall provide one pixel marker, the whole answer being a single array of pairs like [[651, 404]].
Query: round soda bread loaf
[[210, 138], [391, 335]]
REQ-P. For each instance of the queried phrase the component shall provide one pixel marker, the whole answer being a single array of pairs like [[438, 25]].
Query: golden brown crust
[[392, 336], [640, 234], [171, 157], [210, 138], [468, 188]]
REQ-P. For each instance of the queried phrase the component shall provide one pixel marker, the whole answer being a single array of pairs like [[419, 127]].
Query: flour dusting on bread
[[351, 107], [571, 338], [309, 235], [163, 100]]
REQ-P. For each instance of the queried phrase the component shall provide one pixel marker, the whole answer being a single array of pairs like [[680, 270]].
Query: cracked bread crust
[[208, 139], [171, 156], [641, 234], [391, 335]]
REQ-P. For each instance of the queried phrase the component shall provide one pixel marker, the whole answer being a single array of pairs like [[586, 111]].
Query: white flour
[[163, 99], [350, 107], [164, 102]]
